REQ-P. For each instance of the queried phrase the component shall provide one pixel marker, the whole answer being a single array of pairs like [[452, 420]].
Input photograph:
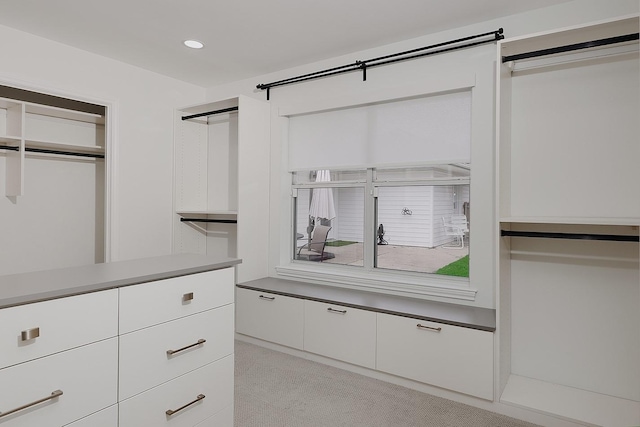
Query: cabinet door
[[105, 418], [144, 358], [87, 378], [451, 357], [193, 398], [223, 418], [151, 303], [270, 317], [341, 333], [35, 330]]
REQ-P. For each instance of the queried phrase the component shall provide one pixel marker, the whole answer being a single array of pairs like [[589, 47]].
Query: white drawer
[[451, 357], [87, 377], [214, 381], [105, 418], [270, 317], [341, 333], [223, 418], [62, 324], [151, 303], [144, 362]]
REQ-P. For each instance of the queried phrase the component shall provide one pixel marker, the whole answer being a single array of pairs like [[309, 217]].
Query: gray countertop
[[26, 288], [451, 314]]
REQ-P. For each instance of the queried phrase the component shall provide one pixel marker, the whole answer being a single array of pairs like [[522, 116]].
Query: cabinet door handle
[[200, 341], [30, 334], [173, 411], [430, 328], [267, 298], [53, 395], [187, 297], [333, 310]]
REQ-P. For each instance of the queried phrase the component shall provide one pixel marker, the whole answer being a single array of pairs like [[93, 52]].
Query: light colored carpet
[[274, 389]]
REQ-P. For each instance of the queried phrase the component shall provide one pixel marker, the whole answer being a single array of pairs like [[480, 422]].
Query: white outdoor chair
[[456, 227], [314, 250]]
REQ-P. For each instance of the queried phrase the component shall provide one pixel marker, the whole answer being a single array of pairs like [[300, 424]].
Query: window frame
[[370, 276]]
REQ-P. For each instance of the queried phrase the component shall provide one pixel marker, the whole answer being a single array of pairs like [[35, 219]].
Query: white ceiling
[[243, 38]]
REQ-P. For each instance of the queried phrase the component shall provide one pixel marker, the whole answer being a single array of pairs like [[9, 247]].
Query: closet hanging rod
[[571, 47], [223, 221], [573, 236], [210, 113], [384, 60], [46, 151]]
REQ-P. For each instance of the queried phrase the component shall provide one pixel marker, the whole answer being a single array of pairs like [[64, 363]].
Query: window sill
[[417, 286]]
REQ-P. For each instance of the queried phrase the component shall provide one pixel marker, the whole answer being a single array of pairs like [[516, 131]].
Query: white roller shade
[[428, 129]]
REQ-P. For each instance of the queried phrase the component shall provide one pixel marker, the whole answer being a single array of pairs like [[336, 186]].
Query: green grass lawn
[[458, 268]]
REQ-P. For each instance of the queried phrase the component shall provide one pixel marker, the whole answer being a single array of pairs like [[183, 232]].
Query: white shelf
[[570, 403], [49, 145], [63, 113], [571, 220], [10, 140]]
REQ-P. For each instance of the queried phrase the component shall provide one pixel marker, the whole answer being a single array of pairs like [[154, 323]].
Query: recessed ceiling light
[[194, 44]]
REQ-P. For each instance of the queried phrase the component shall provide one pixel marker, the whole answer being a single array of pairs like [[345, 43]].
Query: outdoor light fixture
[[194, 44]]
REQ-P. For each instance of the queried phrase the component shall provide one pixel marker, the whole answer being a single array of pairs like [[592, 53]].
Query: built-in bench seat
[[483, 319], [435, 343]]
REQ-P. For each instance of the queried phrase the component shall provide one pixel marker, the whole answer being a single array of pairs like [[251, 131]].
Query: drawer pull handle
[[53, 395], [200, 341], [333, 310], [267, 298], [30, 334], [198, 399], [187, 297], [419, 326]]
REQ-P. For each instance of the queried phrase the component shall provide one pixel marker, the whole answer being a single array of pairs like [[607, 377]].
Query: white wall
[[143, 133], [400, 80]]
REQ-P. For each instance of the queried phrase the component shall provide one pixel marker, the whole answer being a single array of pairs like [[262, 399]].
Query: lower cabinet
[[150, 354], [342, 333], [270, 317], [75, 383], [105, 418], [451, 357], [185, 401]]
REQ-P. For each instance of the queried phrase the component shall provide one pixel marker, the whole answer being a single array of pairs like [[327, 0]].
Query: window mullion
[[369, 222]]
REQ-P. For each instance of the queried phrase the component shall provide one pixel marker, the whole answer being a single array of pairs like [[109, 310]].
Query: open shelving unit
[[221, 185], [24, 133], [568, 219], [53, 164]]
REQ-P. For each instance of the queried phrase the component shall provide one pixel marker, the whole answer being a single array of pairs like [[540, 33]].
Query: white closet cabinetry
[[45, 352], [446, 356], [569, 292], [221, 192], [176, 353], [270, 317], [342, 333]]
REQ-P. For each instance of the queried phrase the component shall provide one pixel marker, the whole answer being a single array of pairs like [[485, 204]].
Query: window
[[381, 192], [419, 218]]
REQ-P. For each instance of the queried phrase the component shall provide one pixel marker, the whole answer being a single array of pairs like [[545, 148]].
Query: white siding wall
[[349, 222], [408, 230]]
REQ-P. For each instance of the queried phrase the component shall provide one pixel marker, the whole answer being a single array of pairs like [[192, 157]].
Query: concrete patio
[[408, 258]]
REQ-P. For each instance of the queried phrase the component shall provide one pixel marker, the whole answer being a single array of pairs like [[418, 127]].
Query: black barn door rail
[[389, 59], [46, 151], [574, 236], [571, 47]]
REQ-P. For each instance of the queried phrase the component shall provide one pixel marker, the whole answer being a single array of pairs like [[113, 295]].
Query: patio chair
[[457, 227], [314, 250]]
